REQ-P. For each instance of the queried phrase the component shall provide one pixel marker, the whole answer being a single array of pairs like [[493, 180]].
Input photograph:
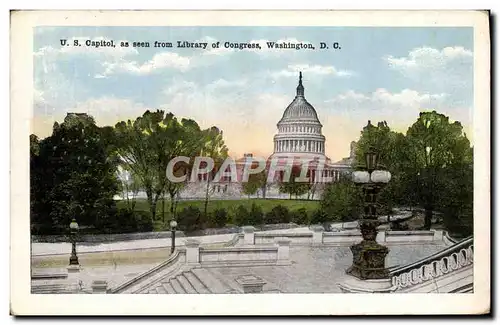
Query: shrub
[[278, 214], [143, 221], [190, 219], [124, 221], [241, 216], [219, 217], [318, 217], [119, 220], [256, 216], [300, 216], [341, 201]]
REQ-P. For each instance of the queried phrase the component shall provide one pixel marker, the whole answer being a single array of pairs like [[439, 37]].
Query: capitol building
[[299, 137], [299, 130]]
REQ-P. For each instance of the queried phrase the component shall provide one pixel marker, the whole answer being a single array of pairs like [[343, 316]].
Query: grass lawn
[[229, 205]]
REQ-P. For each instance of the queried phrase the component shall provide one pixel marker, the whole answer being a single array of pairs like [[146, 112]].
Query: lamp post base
[[73, 260], [368, 260], [353, 284]]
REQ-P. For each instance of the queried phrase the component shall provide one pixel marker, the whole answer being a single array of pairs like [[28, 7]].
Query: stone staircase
[[197, 280], [39, 287]]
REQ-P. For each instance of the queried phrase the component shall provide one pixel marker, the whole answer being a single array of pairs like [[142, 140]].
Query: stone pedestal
[[250, 283], [248, 235], [352, 284], [74, 276], [192, 252], [438, 235], [99, 286], [381, 236], [368, 260], [283, 251], [317, 239]]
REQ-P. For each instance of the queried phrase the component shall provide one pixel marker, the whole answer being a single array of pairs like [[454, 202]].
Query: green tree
[[189, 143], [215, 148], [130, 185], [429, 165], [436, 147], [72, 176], [393, 155], [341, 201], [292, 186], [146, 146], [255, 182], [458, 207]]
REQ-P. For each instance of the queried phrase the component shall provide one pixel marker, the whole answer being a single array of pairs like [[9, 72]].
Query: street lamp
[[368, 255], [73, 227], [173, 225]]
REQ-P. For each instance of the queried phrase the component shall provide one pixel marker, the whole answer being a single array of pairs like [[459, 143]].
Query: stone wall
[[106, 238]]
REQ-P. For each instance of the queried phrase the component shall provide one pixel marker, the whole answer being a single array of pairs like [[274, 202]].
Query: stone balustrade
[[436, 266], [238, 255], [295, 238]]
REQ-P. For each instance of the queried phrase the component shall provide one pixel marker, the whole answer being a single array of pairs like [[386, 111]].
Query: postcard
[[250, 162]]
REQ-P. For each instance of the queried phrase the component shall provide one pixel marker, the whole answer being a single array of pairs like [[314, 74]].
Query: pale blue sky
[[380, 74]]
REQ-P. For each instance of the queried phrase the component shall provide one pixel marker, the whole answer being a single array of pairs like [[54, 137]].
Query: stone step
[[231, 285], [185, 284], [199, 286], [168, 288], [213, 284], [177, 286], [49, 288], [160, 289]]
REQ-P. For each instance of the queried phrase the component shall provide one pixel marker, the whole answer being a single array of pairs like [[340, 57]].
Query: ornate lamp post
[[73, 227], [173, 225], [368, 255]]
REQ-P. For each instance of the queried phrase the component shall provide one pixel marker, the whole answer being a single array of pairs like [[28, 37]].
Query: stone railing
[[342, 238], [106, 238], [318, 236], [432, 267], [295, 238], [170, 266], [396, 236], [235, 241], [278, 254], [448, 240]]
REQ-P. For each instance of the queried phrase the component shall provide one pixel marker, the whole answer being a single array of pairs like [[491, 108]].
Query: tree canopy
[[72, 176], [427, 163]]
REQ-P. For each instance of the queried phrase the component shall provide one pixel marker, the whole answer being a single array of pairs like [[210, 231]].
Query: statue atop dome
[[300, 87]]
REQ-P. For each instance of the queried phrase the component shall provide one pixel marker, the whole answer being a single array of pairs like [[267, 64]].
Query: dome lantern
[[300, 87]]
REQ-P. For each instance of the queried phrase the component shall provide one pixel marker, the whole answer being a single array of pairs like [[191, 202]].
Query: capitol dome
[[299, 130], [300, 108]]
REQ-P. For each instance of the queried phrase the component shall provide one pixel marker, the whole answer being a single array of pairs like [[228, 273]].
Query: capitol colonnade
[[291, 145]]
